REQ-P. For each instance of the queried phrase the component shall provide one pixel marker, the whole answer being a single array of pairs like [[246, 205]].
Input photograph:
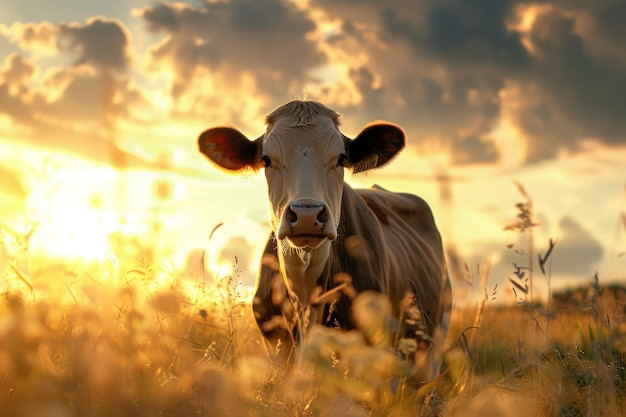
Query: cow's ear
[[230, 149], [376, 145]]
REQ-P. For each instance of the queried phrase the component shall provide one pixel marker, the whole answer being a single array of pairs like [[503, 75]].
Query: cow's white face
[[304, 155], [304, 171]]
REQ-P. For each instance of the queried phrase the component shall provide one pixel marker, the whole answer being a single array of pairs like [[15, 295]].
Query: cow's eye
[[267, 161], [342, 158]]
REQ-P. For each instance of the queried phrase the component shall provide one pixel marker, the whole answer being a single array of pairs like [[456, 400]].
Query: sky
[[101, 104]]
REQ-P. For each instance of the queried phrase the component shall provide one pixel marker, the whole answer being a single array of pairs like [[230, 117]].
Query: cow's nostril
[[292, 217], [322, 216]]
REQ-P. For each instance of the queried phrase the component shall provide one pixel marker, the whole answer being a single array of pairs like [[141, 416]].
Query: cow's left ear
[[230, 149], [376, 145]]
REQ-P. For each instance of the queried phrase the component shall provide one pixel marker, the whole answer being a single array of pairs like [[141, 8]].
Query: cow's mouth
[[306, 241]]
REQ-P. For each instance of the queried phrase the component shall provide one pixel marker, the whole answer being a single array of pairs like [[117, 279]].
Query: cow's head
[[304, 155]]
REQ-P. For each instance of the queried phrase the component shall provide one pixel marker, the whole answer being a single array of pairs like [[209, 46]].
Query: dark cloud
[[448, 94], [81, 97], [587, 95], [82, 94], [103, 43], [265, 40], [464, 32], [74, 109], [610, 17], [429, 108], [473, 149], [446, 70], [577, 252], [566, 73], [577, 255], [372, 95]]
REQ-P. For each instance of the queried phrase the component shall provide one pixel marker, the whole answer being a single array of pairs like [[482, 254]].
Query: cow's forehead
[[300, 113], [321, 132]]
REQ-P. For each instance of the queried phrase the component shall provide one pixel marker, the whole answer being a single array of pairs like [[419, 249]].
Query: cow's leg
[[273, 309], [428, 357], [440, 333]]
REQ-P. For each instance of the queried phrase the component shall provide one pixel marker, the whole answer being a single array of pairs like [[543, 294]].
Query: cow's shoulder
[[408, 210], [404, 204]]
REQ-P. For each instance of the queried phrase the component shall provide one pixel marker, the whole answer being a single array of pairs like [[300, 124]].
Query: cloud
[[266, 41], [74, 94], [455, 70], [450, 72], [17, 70], [433, 92], [14, 75], [103, 43], [76, 108], [466, 33], [474, 150], [80, 93], [576, 256], [75, 97], [577, 252], [582, 97], [38, 37]]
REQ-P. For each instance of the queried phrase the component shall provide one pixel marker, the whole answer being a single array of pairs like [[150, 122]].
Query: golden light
[[524, 18], [337, 85], [72, 223], [438, 151], [510, 142], [72, 240]]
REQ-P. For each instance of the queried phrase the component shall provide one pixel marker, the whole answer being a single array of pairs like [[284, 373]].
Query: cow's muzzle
[[307, 223]]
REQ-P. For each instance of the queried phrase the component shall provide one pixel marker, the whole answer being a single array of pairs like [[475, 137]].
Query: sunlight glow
[[524, 18], [78, 240], [510, 142]]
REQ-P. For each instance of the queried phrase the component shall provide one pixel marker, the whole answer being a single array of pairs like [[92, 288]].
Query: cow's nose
[[307, 218], [307, 223]]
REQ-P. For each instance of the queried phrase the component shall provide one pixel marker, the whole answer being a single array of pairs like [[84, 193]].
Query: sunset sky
[[101, 103]]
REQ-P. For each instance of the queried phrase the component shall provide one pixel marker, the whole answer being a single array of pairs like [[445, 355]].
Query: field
[[141, 338]]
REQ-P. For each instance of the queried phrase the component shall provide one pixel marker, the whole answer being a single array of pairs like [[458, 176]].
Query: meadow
[[138, 337]]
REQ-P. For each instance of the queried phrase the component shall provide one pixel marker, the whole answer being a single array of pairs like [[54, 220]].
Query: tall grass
[[138, 338], [561, 356]]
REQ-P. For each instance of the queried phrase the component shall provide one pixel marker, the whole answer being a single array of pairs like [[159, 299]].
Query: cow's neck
[[304, 269]]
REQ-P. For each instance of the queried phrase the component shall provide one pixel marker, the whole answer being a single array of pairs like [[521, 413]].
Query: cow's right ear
[[377, 144], [230, 149]]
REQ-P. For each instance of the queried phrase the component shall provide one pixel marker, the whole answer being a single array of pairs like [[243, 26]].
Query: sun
[[78, 238]]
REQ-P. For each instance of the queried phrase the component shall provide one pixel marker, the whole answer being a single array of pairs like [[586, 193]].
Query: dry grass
[[145, 340]]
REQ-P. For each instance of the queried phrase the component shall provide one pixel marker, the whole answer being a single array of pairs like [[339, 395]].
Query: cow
[[328, 238]]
